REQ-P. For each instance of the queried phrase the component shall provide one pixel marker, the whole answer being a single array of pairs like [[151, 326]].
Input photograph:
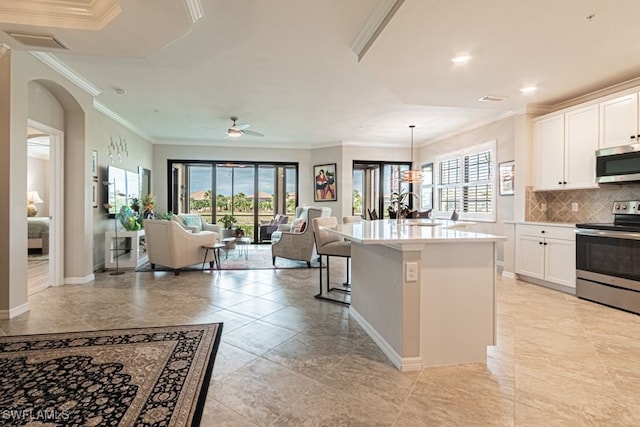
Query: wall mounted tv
[[123, 186]]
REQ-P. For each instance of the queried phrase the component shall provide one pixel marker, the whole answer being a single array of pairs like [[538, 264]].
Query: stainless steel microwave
[[618, 164]]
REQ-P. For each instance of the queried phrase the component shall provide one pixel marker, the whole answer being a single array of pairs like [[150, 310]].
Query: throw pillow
[[297, 224], [193, 221], [304, 226]]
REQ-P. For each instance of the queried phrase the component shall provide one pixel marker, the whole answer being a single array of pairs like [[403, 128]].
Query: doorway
[[44, 216], [373, 183]]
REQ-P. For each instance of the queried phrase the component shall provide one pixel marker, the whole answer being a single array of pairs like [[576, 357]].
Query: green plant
[[161, 215], [227, 221], [399, 201]]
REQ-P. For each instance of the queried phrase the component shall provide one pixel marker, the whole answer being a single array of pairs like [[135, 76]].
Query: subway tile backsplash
[[594, 205]]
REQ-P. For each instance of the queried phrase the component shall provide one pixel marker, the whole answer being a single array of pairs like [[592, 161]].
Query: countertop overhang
[[388, 231]]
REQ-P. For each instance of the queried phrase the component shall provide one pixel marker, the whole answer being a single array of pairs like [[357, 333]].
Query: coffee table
[[241, 243]]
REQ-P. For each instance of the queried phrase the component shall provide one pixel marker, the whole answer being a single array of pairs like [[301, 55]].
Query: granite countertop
[[411, 231]]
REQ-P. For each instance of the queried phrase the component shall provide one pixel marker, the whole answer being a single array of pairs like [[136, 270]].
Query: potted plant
[[238, 232], [227, 221], [148, 203], [399, 202]]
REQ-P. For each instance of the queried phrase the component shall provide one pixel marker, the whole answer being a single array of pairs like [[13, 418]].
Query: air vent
[[492, 98], [38, 40]]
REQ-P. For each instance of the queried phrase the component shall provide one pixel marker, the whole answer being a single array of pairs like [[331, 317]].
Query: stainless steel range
[[608, 259]]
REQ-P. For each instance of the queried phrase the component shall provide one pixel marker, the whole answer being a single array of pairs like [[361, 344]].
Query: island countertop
[[411, 231]]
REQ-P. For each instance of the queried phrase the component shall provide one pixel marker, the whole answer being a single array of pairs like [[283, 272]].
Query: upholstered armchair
[[268, 227], [197, 224], [298, 244], [170, 245]]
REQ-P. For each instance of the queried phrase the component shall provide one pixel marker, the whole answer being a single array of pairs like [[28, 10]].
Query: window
[[466, 182], [426, 188]]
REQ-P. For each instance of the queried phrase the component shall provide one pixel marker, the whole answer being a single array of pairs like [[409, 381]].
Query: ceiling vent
[[38, 41], [492, 98]]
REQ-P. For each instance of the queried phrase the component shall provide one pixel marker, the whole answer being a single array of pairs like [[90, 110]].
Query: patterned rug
[[124, 377], [258, 258]]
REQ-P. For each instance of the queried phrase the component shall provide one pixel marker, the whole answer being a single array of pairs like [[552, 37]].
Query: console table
[[130, 251]]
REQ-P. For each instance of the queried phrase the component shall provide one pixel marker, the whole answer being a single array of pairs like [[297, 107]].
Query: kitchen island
[[423, 290]]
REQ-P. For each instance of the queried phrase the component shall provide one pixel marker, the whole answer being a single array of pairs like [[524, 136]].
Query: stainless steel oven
[[608, 259]]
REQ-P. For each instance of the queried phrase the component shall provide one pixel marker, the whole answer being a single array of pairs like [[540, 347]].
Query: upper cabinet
[[565, 145], [619, 121]]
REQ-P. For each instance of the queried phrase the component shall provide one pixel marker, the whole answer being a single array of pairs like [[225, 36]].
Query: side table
[[215, 247]]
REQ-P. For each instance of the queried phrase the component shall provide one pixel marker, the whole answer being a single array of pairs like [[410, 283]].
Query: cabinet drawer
[[565, 233]]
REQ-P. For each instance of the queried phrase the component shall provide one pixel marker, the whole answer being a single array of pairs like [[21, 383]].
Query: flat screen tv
[[122, 186]]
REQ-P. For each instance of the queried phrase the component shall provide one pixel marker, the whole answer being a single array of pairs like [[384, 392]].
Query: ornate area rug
[[123, 377], [258, 258]]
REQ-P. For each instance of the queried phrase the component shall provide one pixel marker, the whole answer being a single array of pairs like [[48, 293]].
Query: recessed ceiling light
[[461, 59], [529, 89]]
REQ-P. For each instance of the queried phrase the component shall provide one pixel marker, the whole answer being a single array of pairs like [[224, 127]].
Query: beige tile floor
[[288, 359]]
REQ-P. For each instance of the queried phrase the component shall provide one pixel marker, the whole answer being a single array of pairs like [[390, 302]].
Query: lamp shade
[[412, 176], [34, 197]]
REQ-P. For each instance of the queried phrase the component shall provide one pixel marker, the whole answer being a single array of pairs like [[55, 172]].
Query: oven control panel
[[627, 207]]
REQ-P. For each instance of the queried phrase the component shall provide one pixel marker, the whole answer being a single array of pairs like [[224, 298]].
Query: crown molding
[[378, 20], [469, 127], [64, 70], [76, 14], [99, 106]]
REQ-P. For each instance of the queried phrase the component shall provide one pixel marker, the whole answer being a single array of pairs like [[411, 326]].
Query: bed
[[38, 233]]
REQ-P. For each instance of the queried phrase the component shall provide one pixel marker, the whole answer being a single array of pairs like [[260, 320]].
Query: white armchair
[[197, 224], [170, 245], [297, 245]]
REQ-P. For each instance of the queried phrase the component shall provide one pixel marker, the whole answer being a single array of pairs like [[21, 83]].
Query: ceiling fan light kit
[[237, 130]]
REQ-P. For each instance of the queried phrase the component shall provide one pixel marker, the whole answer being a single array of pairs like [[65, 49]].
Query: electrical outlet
[[411, 271], [574, 207]]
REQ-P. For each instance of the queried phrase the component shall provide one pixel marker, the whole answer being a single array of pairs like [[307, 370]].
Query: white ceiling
[[287, 66]]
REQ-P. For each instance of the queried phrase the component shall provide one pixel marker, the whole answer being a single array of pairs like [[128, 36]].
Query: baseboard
[[79, 280], [402, 363], [15, 311], [509, 274], [556, 287]]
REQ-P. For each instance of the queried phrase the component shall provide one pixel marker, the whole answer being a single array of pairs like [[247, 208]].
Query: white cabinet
[[548, 139], [546, 253], [565, 145], [619, 121], [127, 251], [581, 143]]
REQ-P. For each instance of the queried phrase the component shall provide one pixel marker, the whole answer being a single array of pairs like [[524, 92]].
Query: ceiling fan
[[237, 130]]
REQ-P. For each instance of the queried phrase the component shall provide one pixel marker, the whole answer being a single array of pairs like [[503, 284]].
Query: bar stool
[[329, 244]]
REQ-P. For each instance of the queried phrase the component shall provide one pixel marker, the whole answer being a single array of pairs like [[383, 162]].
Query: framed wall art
[[506, 172], [326, 183]]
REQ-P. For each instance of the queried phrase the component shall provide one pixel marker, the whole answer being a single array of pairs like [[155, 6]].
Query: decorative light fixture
[[529, 89], [412, 176], [32, 198]]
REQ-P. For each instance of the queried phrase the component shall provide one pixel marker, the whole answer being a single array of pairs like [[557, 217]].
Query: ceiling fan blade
[[241, 126], [252, 133]]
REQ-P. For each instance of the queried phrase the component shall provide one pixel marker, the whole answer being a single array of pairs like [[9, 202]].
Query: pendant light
[[412, 176]]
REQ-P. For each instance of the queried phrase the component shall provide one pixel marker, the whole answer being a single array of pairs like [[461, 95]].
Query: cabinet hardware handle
[[564, 182], [543, 231], [632, 137], [559, 182], [539, 243], [545, 243]]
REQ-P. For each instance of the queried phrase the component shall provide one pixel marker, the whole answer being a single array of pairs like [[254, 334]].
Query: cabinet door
[[548, 139], [560, 262], [581, 143], [530, 256], [618, 120]]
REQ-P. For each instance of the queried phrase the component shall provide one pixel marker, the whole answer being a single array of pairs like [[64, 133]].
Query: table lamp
[[32, 198]]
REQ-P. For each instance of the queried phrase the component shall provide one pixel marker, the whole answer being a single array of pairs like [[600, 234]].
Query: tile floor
[[288, 359]]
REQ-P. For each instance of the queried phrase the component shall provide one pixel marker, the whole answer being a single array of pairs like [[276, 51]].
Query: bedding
[[38, 233]]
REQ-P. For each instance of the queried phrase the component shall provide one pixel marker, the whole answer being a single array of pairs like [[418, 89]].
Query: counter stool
[[328, 245]]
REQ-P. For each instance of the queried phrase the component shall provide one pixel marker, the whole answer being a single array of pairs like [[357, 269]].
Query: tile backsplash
[[593, 205]]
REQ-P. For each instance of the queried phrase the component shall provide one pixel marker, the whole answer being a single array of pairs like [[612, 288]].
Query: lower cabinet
[[546, 253]]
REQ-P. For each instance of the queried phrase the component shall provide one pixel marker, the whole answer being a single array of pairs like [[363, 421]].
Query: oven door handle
[[607, 233]]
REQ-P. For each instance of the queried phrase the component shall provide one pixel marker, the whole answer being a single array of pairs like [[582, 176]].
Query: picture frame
[[325, 183], [94, 193], [506, 177], [94, 164]]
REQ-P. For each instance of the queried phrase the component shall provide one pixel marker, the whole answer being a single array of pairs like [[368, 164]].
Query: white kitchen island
[[423, 290]]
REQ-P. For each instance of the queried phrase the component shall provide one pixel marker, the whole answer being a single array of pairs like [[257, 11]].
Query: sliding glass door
[[373, 184], [250, 192]]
